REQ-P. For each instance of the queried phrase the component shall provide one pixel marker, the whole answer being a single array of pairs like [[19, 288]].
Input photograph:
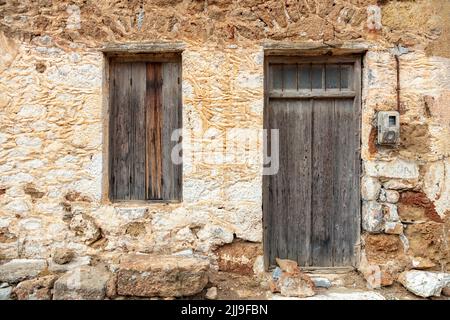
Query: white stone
[[31, 111], [185, 235], [372, 216], [321, 282], [48, 208], [94, 167], [392, 196], [85, 227], [18, 206], [245, 191], [74, 19], [15, 191], [66, 160], [59, 174], [33, 164], [374, 17], [5, 222], [31, 224], [75, 263], [213, 235], [382, 196], [258, 266], [249, 81], [437, 185], [397, 184], [29, 142], [186, 252], [17, 178], [130, 214], [81, 76], [211, 293], [397, 169], [391, 212], [87, 136], [83, 283], [343, 295], [370, 188], [424, 283], [90, 187], [39, 125], [393, 228], [197, 189], [5, 293], [3, 138], [21, 269]]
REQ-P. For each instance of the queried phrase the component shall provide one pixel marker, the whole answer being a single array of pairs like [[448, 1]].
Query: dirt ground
[[231, 286]]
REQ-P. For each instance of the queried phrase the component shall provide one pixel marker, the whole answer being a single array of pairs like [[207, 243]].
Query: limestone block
[[370, 188], [83, 283], [21, 269], [372, 216], [396, 169], [164, 276], [424, 283]]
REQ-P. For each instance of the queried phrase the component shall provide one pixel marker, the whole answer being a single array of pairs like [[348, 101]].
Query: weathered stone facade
[[52, 121]]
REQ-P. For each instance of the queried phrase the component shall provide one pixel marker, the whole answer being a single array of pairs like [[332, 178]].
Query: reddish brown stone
[[382, 247], [419, 199], [35, 289], [288, 265], [238, 257]]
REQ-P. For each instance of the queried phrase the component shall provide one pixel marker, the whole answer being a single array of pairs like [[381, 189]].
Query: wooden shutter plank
[[137, 133], [154, 123], [120, 132], [171, 116], [111, 128]]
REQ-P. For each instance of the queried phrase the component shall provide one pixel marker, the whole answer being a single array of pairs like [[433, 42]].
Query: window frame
[[123, 53], [312, 60]]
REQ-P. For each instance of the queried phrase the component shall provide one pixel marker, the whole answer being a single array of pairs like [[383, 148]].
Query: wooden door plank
[[153, 123], [299, 181], [171, 107], [322, 194], [302, 138], [275, 186], [343, 181]]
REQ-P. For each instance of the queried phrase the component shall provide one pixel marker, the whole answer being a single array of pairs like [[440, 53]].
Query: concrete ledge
[[143, 47]]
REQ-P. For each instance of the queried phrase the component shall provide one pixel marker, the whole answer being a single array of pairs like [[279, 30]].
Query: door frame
[[289, 56]]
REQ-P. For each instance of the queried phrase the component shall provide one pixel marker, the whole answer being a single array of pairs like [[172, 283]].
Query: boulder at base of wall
[[290, 281], [35, 289], [21, 269], [161, 276], [424, 283], [83, 283]]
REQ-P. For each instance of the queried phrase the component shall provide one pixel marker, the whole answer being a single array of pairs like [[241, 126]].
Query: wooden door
[[311, 205]]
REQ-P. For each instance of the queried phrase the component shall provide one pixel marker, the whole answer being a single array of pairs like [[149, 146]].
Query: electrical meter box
[[388, 123]]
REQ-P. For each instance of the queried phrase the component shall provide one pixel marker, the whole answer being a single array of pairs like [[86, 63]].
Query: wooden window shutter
[[145, 108]]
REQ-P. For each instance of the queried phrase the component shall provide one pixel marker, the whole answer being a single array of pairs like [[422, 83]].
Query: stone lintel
[[143, 47], [315, 48]]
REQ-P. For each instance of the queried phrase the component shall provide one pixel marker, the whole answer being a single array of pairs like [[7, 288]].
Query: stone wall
[[51, 123]]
